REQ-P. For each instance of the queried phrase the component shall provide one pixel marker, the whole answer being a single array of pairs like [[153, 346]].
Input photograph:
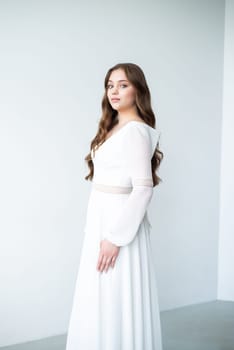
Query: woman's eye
[[111, 86]]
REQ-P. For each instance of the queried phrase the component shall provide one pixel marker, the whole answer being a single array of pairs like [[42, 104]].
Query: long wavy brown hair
[[108, 119]]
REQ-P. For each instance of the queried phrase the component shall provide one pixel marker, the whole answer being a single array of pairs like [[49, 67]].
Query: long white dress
[[118, 309]]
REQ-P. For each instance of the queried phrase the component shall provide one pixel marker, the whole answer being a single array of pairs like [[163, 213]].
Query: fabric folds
[[137, 158]]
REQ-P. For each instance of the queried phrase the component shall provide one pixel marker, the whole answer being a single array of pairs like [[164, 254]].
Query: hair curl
[[108, 119]]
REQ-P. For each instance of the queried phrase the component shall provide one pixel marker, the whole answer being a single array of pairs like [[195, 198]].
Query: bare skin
[[107, 256], [123, 91]]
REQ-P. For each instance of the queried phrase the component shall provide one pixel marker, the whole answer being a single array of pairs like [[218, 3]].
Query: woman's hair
[[108, 120]]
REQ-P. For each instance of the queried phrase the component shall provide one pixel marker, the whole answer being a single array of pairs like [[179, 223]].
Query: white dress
[[118, 309]]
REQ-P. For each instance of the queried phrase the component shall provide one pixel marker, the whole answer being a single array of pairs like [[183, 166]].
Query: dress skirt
[[117, 309]]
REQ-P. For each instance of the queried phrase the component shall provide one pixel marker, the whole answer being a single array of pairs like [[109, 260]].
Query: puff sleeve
[[137, 159]]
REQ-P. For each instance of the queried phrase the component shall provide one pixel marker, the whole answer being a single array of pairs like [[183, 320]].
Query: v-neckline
[[123, 127]]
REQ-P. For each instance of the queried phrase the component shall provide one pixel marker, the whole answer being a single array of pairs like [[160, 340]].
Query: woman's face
[[121, 93]]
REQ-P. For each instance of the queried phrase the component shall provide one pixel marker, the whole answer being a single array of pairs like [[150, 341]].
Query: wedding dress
[[118, 309]]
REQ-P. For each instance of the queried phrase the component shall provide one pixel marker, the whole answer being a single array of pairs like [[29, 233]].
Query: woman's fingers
[[105, 262], [113, 261], [107, 255], [99, 261], [106, 266], [102, 264]]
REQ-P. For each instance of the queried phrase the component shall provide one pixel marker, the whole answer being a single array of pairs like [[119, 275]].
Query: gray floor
[[206, 326]]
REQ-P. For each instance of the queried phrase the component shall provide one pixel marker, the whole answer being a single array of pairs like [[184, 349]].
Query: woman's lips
[[115, 99]]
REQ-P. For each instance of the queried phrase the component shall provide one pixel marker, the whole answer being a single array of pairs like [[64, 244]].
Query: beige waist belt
[[112, 189]]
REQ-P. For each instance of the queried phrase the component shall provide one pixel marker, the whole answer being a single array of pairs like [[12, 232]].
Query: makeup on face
[[120, 92]]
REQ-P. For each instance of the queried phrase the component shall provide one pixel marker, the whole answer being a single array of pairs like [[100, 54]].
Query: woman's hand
[[107, 256]]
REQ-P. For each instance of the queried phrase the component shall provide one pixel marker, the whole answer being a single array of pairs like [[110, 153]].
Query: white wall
[[226, 240], [53, 58], [188, 92]]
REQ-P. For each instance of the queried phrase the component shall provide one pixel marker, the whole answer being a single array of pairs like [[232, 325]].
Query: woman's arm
[[137, 154]]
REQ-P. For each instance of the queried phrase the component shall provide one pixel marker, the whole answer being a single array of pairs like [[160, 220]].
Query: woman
[[115, 305]]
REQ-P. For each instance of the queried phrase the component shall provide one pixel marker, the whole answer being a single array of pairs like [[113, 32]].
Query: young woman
[[115, 304]]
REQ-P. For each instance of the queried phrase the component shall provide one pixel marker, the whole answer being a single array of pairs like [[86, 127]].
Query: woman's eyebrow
[[118, 80]]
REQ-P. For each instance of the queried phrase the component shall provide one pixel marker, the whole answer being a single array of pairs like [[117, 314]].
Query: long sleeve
[[137, 159]]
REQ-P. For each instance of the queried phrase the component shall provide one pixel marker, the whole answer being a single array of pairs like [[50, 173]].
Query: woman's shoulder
[[140, 128], [140, 136]]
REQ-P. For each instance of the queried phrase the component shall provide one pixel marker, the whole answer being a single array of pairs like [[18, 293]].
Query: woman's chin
[[116, 108]]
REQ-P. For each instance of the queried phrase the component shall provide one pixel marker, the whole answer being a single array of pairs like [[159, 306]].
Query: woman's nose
[[115, 90]]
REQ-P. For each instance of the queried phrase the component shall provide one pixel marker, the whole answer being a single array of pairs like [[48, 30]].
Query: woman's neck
[[126, 116]]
